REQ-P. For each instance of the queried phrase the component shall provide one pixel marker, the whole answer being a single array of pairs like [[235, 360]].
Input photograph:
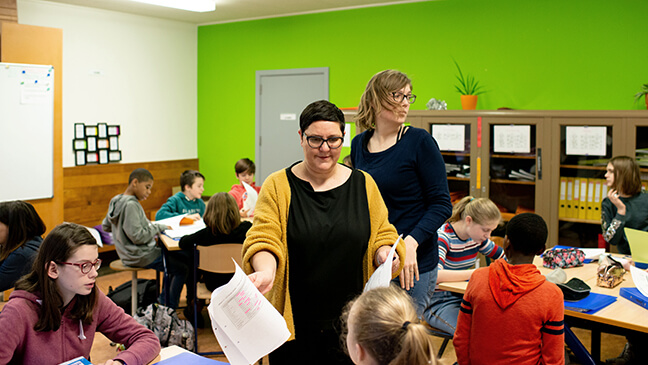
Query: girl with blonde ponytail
[[466, 233], [381, 328]]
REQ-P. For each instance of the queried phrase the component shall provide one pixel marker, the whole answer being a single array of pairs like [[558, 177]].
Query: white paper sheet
[[450, 137], [249, 201], [586, 141], [512, 138], [246, 325], [640, 279], [592, 253], [177, 230], [382, 276]]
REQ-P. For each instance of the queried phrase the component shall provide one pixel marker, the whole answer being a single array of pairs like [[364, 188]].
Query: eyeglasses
[[317, 142], [86, 266], [399, 97]]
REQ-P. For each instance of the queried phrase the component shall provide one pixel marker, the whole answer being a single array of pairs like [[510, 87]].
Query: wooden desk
[[622, 314], [169, 243]]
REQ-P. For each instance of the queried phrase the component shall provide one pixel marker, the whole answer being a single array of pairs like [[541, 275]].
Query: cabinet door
[[457, 139], [513, 157], [585, 146], [638, 146]]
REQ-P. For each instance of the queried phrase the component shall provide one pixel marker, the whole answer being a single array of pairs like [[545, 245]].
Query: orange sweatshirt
[[510, 314]]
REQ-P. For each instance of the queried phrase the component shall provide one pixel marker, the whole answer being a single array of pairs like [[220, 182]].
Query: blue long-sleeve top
[[18, 263], [412, 180]]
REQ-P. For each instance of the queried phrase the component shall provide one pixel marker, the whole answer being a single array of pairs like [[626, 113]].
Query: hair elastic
[[407, 323]]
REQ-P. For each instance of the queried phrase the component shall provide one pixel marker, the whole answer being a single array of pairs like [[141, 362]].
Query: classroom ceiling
[[232, 10]]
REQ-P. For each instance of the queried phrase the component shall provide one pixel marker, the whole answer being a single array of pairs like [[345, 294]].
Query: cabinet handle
[[539, 163]]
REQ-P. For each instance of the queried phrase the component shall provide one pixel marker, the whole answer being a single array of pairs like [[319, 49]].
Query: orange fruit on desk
[[186, 221]]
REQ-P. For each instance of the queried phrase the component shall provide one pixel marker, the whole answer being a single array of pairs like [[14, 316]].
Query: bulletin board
[[26, 131]]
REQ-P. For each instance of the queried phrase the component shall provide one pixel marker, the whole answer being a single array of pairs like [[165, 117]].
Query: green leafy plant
[[467, 84], [644, 91]]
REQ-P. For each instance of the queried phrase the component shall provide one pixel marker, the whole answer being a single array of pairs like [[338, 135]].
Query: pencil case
[[610, 272], [563, 258]]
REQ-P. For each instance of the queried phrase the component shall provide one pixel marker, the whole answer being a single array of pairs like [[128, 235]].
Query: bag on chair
[[166, 325]]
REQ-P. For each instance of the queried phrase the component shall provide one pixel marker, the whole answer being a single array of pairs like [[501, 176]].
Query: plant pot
[[468, 102]]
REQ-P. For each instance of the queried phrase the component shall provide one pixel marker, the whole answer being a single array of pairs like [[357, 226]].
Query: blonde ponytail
[[482, 210]]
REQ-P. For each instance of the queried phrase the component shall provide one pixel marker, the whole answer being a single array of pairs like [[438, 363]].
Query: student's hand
[[244, 212], [169, 227], [613, 195], [381, 256], [194, 216], [410, 269]]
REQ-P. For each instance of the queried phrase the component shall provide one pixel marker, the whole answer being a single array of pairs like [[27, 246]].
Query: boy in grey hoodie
[[134, 235]]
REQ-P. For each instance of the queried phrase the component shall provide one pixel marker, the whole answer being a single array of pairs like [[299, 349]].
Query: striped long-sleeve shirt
[[458, 254]]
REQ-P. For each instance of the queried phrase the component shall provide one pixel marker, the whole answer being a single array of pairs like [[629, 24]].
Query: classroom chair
[[216, 259], [439, 333]]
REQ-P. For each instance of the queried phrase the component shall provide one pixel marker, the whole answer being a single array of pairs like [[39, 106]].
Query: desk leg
[[596, 345], [166, 276], [577, 347]]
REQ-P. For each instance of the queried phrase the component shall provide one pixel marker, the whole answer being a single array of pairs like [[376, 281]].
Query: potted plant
[[468, 88], [644, 93]]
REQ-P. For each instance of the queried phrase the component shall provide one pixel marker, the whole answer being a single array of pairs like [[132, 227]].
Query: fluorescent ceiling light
[[191, 5]]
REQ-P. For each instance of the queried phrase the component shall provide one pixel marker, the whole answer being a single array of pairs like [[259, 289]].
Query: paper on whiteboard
[[177, 230], [640, 279], [512, 138], [246, 325], [450, 137], [250, 198], [586, 141], [382, 276]]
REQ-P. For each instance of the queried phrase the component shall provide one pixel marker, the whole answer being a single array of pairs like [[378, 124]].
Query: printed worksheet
[[250, 198], [640, 279], [382, 276], [177, 230], [246, 325]]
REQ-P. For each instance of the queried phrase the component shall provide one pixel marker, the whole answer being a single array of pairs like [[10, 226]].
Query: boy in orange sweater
[[510, 313]]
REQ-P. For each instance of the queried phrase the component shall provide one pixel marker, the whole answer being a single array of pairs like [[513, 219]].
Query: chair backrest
[[218, 258]]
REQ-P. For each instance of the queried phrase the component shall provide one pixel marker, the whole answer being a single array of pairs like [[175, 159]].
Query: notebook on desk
[[638, 241], [591, 304]]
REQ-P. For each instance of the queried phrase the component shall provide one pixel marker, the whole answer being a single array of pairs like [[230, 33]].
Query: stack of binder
[[580, 198]]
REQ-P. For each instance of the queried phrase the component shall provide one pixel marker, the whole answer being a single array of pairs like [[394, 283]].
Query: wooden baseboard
[[88, 189]]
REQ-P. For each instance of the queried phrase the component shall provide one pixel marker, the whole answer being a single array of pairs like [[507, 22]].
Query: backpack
[[146, 294], [166, 325]]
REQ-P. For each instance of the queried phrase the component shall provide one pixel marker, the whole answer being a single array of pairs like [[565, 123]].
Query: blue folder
[[635, 296], [592, 304], [189, 358]]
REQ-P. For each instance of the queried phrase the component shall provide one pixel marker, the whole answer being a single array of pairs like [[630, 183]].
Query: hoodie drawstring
[[81, 334]]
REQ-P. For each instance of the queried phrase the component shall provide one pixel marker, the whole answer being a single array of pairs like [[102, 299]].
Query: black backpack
[[146, 294]]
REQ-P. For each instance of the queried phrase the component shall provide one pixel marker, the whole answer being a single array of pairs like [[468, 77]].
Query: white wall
[[134, 71]]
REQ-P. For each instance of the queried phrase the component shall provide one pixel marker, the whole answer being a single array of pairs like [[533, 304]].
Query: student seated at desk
[[466, 233], [53, 314], [223, 226], [20, 237], [245, 169], [188, 201], [510, 312], [134, 236]]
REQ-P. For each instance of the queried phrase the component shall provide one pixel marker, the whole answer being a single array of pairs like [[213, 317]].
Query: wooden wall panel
[[8, 11], [42, 46], [88, 189]]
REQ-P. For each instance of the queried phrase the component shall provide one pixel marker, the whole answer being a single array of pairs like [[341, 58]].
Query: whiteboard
[[26, 131]]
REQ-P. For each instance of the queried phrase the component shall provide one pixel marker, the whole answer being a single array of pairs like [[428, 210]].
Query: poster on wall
[[96, 143], [512, 139], [450, 137]]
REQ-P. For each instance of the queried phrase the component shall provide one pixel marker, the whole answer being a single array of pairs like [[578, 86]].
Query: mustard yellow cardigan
[[268, 233]]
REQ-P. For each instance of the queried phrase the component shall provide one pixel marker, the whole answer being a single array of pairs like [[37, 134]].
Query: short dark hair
[[321, 110], [188, 177], [243, 165], [23, 223], [141, 175], [527, 233]]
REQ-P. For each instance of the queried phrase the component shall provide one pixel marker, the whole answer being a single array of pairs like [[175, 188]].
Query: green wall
[[528, 54]]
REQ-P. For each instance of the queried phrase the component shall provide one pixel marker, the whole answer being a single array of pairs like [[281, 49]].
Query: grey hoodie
[[133, 233]]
